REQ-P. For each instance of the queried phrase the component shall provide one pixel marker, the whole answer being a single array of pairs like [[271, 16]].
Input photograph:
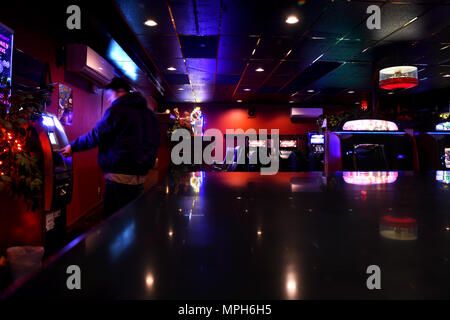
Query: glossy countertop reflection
[[238, 235]]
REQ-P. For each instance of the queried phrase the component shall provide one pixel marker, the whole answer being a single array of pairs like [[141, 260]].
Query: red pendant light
[[400, 77]]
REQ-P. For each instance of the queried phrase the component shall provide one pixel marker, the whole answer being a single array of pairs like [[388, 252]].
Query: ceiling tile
[[161, 47], [199, 46]]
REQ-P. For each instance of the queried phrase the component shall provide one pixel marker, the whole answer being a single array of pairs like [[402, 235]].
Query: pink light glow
[[370, 177], [257, 143], [288, 143], [370, 125]]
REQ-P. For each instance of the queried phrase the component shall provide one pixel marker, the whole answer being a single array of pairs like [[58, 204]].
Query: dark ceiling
[[217, 45]]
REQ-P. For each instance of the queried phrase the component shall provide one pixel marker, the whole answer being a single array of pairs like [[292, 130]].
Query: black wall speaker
[[251, 112]]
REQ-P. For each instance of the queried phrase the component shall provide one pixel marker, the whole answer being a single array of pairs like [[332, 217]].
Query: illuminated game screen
[[288, 143], [6, 49], [443, 176], [317, 139], [52, 137], [257, 143], [447, 158], [444, 126]]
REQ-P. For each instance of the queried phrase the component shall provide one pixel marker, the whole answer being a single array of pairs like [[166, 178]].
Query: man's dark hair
[[118, 84]]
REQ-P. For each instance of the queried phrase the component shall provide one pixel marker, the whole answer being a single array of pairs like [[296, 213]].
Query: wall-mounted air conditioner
[[88, 64], [305, 113]]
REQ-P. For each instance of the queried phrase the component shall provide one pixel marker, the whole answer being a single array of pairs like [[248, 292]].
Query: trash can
[[24, 260]]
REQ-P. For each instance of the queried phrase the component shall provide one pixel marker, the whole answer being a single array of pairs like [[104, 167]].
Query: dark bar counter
[[239, 235]]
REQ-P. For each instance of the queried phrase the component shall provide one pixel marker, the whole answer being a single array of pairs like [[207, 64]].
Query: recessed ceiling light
[[259, 70], [292, 20], [310, 91], [351, 91], [171, 68], [238, 100], [446, 75], [151, 23], [247, 89], [291, 101], [390, 92], [180, 89]]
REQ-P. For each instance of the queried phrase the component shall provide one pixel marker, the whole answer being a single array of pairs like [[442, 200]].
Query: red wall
[[267, 117], [87, 111], [223, 116]]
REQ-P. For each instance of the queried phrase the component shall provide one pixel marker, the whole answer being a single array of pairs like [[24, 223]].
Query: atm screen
[[317, 139], [52, 138], [288, 143], [447, 158]]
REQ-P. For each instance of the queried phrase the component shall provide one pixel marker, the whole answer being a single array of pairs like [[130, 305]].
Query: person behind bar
[[128, 139]]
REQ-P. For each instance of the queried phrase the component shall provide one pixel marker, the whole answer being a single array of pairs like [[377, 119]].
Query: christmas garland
[[20, 153]]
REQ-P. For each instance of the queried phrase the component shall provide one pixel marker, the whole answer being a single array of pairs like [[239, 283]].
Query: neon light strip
[[437, 132], [122, 61]]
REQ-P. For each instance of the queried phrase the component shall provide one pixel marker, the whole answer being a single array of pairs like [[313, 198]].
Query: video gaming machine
[[316, 151], [434, 146], [58, 179], [288, 153]]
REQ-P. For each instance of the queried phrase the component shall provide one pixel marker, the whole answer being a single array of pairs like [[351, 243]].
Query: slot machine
[[316, 151], [287, 147], [434, 146], [288, 151], [58, 179], [252, 156]]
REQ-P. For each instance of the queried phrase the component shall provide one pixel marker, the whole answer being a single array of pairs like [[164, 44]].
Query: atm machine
[[58, 180], [370, 145], [316, 151]]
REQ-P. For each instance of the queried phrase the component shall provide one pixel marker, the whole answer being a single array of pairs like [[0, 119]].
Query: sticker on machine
[[447, 158], [49, 221]]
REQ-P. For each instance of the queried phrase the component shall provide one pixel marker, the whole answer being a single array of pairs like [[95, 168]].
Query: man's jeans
[[118, 195]]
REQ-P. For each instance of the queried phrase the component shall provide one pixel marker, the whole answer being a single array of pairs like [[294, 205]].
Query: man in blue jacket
[[128, 139]]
